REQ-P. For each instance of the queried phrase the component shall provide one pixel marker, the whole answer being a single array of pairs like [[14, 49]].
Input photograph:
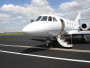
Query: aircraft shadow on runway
[[78, 41], [41, 40], [32, 50], [74, 40]]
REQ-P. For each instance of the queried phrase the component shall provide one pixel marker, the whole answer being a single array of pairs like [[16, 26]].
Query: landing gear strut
[[83, 39], [48, 43]]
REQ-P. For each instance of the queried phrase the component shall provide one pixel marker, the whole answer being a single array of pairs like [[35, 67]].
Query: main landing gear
[[83, 39]]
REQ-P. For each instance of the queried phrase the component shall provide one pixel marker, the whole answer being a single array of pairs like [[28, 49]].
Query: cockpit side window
[[49, 18], [38, 18], [54, 19], [44, 18]]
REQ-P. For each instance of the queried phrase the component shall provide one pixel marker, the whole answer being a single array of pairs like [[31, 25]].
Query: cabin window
[[49, 18], [44, 18], [38, 18], [54, 19]]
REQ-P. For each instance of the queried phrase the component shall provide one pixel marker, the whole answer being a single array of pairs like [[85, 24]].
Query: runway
[[20, 51]]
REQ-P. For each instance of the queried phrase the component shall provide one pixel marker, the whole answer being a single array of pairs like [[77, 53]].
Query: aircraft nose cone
[[32, 29], [23, 30], [27, 29]]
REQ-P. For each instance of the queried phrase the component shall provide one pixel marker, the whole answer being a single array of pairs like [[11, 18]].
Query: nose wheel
[[48, 44]]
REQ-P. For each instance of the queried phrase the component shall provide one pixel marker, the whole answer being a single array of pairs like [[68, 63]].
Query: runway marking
[[73, 50], [22, 46], [46, 57], [59, 49]]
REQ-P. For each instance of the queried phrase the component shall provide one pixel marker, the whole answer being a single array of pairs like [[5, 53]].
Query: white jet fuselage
[[48, 28], [43, 29]]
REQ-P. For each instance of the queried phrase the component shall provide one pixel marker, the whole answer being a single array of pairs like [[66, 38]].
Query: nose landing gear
[[50, 43]]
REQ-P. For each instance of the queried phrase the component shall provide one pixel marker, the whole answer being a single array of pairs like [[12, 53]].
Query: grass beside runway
[[12, 33]]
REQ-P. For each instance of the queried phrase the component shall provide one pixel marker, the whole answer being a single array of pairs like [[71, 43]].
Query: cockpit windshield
[[49, 18], [44, 18], [54, 19], [38, 18]]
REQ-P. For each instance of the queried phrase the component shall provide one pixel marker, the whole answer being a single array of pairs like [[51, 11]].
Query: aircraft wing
[[78, 32]]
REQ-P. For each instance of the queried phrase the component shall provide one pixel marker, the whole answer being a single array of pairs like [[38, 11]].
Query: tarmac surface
[[20, 51]]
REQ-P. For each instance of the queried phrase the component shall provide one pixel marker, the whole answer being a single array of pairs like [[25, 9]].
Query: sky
[[15, 14]]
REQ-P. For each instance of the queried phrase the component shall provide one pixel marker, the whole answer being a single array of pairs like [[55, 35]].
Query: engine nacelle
[[84, 26]]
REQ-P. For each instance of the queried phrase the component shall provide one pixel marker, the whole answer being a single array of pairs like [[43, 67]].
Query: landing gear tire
[[48, 43], [83, 40], [52, 44]]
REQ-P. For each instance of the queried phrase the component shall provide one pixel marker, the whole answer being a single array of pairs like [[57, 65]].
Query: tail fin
[[77, 18]]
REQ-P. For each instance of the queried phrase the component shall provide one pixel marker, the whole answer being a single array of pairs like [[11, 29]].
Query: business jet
[[50, 26]]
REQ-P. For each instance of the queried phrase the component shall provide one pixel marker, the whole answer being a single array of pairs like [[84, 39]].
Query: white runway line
[[59, 49], [46, 57], [72, 50], [21, 46]]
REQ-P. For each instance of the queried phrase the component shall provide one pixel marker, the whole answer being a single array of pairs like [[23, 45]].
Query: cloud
[[12, 8], [39, 3], [4, 18], [86, 13], [37, 7], [4, 15], [19, 17], [73, 7]]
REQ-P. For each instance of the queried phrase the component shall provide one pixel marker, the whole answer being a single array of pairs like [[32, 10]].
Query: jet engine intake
[[84, 26]]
